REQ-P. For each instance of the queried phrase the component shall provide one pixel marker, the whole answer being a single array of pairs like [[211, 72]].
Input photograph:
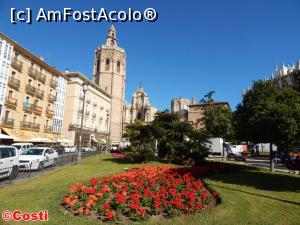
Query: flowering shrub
[[141, 193]]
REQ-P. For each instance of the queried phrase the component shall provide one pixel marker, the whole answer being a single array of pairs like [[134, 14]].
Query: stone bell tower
[[110, 75]]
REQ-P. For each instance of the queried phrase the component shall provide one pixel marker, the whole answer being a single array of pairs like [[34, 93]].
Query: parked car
[[22, 146], [37, 158], [70, 149], [9, 160], [59, 149], [87, 149]]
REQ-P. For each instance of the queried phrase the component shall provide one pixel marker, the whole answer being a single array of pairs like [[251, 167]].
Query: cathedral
[[139, 109], [110, 75]]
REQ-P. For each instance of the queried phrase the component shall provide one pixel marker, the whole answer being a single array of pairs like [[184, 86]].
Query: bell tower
[[110, 75]]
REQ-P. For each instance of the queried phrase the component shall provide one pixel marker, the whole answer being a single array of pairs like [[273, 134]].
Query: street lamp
[[84, 88], [107, 127]]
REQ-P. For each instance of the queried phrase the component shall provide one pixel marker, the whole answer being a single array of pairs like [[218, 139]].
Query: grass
[[250, 196]]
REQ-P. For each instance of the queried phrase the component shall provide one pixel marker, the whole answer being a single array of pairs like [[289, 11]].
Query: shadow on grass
[[254, 177], [118, 160], [255, 194]]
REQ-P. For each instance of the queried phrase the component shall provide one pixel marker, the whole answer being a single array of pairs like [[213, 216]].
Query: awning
[[94, 140], [6, 137], [39, 140]]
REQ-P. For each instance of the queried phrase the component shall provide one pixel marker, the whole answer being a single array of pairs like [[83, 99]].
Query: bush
[[138, 154]]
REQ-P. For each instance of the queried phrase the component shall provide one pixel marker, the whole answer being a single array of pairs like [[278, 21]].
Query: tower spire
[[111, 39]]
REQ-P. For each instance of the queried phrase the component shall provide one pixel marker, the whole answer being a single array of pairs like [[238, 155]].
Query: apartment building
[[96, 115], [31, 102], [5, 61]]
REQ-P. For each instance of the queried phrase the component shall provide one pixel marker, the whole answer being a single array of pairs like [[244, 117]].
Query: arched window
[[98, 66], [107, 62], [118, 66]]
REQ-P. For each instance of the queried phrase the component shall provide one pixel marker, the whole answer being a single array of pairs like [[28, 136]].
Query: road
[[63, 159], [259, 162]]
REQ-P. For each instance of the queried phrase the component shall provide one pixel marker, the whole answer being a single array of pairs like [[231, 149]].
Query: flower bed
[[141, 194]]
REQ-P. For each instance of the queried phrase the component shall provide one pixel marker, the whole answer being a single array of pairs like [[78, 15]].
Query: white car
[[9, 160], [37, 158], [22, 146], [70, 149]]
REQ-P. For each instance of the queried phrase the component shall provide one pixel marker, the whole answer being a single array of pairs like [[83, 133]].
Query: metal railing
[[17, 64], [7, 122], [14, 83], [28, 169]]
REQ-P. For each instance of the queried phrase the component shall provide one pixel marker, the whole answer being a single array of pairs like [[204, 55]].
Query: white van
[[9, 161], [215, 146], [22, 147]]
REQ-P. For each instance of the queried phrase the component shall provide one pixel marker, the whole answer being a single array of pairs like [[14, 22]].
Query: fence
[[29, 169]]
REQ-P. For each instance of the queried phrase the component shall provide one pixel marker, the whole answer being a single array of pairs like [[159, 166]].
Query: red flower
[[91, 190], [67, 200], [142, 211], [83, 189], [109, 214], [87, 211], [122, 200], [106, 205], [134, 206], [80, 210], [156, 203]]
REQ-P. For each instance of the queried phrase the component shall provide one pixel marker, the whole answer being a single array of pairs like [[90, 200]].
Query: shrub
[[138, 154]]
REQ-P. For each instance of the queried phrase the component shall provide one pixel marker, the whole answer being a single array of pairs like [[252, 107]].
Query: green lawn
[[249, 196]]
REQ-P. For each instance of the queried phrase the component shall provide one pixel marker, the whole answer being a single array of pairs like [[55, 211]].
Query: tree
[[267, 114], [208, 97], [218, 121]]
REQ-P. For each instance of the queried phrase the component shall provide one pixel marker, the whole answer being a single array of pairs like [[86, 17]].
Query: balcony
[[41, 77], [30, 89], [49, 113], [37, 110], [27, 107], [8, 123], [78, 127], [14, 83], [11, 103], [87, 113], [48, 129], [17, 64], [51, 98], [53, 83], [33, 72], [29, 126], [39, 94], [88, 101]]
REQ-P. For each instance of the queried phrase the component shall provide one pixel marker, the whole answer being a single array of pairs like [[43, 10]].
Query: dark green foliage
[[218, 121], [176, 140]]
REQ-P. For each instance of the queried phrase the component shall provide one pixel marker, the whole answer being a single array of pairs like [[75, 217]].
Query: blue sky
[[194, 46]]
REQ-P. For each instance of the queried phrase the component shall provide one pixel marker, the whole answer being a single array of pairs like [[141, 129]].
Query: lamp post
[[107, 131], [84, 88]]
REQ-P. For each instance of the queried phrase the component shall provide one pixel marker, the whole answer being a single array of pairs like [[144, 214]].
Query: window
[[7, 152], [10, 94], [25, 118], [98, 66], [107, 62], [118, 66]]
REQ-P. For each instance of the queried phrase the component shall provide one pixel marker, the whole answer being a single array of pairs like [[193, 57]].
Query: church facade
[[139, 109]]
